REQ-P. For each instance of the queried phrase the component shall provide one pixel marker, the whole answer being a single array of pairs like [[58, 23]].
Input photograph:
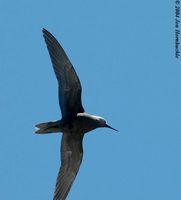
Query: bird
[[75, 122]]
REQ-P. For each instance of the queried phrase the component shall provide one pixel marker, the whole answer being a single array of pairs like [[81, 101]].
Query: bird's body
[[75, 121], [82, 123]]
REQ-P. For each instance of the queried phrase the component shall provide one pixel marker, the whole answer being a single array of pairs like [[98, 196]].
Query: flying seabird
[[75, 121]]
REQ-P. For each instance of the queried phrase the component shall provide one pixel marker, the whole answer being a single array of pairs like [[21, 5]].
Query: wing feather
[[69, 83], [71, 158]]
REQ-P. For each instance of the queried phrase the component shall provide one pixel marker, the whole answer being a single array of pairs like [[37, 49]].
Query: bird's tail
[[48, 127]]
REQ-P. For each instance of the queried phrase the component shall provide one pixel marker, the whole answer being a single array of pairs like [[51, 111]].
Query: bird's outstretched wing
[[69, 83], [71, 157]]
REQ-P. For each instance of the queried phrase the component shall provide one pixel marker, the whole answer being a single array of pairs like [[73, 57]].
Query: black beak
[[110, 127]]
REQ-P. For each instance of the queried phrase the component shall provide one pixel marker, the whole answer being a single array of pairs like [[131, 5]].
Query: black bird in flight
[[75, 121]]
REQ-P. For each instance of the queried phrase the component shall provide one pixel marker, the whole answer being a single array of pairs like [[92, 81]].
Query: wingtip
[[47, 34], [44, 30]]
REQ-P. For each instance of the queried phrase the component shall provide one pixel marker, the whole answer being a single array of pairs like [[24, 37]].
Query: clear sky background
[[123, 52]]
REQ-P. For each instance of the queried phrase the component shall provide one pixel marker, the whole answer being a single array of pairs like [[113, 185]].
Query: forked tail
[[48, 127]]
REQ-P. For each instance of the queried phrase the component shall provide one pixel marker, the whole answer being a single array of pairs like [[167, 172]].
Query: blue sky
[[123, 52]]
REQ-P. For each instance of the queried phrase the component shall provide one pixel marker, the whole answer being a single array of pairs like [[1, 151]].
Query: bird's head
[[102, 123]]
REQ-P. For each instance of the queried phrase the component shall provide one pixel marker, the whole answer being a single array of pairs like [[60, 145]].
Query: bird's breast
[[80, 124]]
